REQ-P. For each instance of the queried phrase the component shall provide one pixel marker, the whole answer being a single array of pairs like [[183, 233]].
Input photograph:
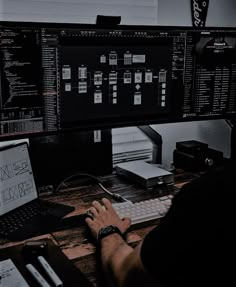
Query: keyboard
[[139, 212], [32, 219], [145, 210]]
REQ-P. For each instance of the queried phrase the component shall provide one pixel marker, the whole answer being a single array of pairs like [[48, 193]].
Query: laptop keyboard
[[17, 219], [32, 219]]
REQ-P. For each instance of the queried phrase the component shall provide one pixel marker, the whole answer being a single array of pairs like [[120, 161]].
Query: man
[[194, 244]]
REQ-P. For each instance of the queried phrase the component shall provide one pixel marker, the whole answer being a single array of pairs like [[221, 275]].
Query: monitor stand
[[156, 140]]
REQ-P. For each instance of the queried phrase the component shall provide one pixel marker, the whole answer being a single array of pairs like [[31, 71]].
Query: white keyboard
[[144, 210]]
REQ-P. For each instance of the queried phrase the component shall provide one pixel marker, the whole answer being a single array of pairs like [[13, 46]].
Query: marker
[[51, 273], [37, 276]]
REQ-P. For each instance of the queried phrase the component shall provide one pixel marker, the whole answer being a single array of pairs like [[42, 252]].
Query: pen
[[51, 273], [37, 276]]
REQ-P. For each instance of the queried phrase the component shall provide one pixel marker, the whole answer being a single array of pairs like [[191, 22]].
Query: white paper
[[10, 275]]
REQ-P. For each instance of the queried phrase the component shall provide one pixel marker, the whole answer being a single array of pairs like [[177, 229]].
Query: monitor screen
[[119, 77], [210, 74], [61, 77]]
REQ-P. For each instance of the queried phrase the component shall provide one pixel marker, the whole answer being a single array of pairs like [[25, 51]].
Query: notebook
[[22, 213]]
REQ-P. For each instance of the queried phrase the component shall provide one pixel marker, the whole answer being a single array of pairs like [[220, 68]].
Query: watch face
[[107, 229], [110, 229]]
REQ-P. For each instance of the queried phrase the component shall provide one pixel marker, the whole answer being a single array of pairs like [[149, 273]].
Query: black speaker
[[196, 156]]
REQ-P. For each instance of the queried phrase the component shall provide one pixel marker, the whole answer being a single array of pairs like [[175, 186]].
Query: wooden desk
[[74, 242]]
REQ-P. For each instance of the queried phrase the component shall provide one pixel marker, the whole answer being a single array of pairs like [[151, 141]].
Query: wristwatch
[[105, 231]]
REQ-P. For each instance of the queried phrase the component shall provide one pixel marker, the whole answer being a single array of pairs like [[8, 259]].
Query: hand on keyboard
[[102, 217]]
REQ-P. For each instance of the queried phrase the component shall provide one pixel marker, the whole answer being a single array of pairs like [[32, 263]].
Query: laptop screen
[[17, 185]]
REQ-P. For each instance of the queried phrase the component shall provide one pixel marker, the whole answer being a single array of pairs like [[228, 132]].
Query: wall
[[79, 11]]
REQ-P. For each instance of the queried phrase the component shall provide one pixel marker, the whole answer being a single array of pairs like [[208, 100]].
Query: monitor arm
[[156, 140]]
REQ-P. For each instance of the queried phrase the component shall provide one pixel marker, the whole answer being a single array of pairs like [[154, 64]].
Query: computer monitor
[[56, 78]]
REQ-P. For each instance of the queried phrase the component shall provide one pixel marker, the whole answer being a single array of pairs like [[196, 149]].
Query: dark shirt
[[194, 244]]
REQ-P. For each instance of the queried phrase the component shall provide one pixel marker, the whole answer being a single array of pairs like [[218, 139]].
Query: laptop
[[22, 213]]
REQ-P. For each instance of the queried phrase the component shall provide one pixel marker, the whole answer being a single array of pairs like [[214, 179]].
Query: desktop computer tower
[[56, 157]]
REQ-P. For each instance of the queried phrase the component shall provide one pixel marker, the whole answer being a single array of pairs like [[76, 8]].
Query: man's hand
[[103, 216], [122, 264]]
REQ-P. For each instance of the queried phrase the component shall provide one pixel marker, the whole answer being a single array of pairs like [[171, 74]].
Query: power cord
[[112, 194]]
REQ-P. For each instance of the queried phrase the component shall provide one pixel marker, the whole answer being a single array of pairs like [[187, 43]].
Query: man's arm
[[121, 262]]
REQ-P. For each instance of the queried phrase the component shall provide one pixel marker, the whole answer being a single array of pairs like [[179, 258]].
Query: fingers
[[89, 221], [98, 206], [107, 203], [127, 222], [93, 211], [106, 212]]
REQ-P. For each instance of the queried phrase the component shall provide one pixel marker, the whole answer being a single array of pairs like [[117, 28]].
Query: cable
[[72, 176], [114, 195], [229, 123]]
